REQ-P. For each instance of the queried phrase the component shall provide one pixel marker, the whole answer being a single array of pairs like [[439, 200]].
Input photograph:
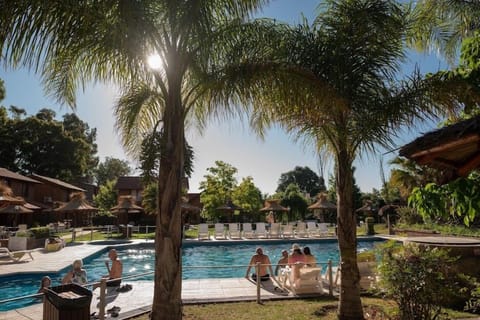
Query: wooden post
[[102, 302], [257, 272], [330, 277]]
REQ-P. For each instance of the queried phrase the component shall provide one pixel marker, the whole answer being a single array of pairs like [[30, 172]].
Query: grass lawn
[[304, 309]]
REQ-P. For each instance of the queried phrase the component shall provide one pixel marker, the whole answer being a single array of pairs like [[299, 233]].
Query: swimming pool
[[196, 258]]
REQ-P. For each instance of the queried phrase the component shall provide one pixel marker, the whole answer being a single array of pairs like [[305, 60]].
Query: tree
[[295, 200], [106, 197], [217, 189], [111, 41], [335, 83], [111, 169], [307, 180], [443, 25], [407, 174], [248, 197], [39, 144]]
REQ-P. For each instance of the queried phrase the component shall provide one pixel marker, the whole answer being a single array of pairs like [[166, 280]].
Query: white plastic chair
[[301, 230], [288, 231], [260, 230], [312, 229], [247, 230], [323, 229], [234, 231], [203, 231], [219, 231], [275, 231]]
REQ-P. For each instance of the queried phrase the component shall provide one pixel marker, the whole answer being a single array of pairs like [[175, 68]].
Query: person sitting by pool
[[265, 263], [77, 275], [115, 271], [282, 262], [46, 283], [310, 260], [296, 260]]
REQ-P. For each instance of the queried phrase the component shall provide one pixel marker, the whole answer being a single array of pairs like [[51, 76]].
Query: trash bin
[[67, 302]]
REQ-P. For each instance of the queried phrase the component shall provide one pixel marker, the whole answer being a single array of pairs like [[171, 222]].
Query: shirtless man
[[282, 262], [115, 271], [259, 257]]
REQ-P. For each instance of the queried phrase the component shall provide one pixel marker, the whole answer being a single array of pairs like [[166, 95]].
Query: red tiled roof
[[5, 173], [56, 182]]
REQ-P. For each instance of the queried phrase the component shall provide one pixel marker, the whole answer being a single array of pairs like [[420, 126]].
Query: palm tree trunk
[[167, 303], [350, 305]]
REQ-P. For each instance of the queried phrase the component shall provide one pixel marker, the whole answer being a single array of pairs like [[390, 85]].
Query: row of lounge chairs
[[276, 230]]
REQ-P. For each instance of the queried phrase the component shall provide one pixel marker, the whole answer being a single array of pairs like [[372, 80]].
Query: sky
[[230, 141]]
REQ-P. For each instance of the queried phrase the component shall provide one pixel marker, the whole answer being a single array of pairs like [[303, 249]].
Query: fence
[[327, 279]]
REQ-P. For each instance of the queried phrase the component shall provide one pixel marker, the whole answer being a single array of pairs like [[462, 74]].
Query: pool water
[[228, 261]]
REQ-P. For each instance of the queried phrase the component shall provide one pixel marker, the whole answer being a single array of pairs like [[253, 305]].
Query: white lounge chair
[[247, 230], [203, 231], [220, 231], [301, 230], [312, 229], [275, 230], [15, 256], [309, 281], [234, 231], [288, 231], [260, 230], [323, 229]]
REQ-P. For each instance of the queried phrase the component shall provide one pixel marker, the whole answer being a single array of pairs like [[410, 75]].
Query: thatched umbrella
[[13, 211], [126, 205], [7, 197], [77, 205], [321, 206], [272, 206], [229, 208]]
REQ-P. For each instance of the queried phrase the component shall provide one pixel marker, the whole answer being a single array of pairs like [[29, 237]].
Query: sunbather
[[310, 260], [282, 262], [296, 260], [114, 272], [46, 283], [265, 264]]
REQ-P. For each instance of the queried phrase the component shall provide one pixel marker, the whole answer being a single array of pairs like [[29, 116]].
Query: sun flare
[[154, 61]]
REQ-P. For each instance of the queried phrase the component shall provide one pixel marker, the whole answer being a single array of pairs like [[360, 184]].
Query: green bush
[[40, 232], [409, 216], [418, 278]]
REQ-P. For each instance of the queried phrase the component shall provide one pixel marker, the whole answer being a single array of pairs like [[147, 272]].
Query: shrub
[[420, 279], [40, 232], [409, 216]]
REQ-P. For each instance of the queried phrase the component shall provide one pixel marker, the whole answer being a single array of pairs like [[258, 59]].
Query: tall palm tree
[[73, 42], [334, 82], [443, 25]]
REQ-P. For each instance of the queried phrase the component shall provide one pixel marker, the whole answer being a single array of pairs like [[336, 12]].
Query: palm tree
[[334, 83], [72, 43], [443, 25]]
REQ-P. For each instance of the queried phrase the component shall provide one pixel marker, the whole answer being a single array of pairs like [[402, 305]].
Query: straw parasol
[[77, 205], [273, 205], [126, 205], [15, 209], [230, 208], [321, 206], [6, 196]]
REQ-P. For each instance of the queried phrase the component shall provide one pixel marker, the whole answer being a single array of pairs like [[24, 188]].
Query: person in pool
[[282, 262], [78, 275], [265, 264], [45, 284]]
